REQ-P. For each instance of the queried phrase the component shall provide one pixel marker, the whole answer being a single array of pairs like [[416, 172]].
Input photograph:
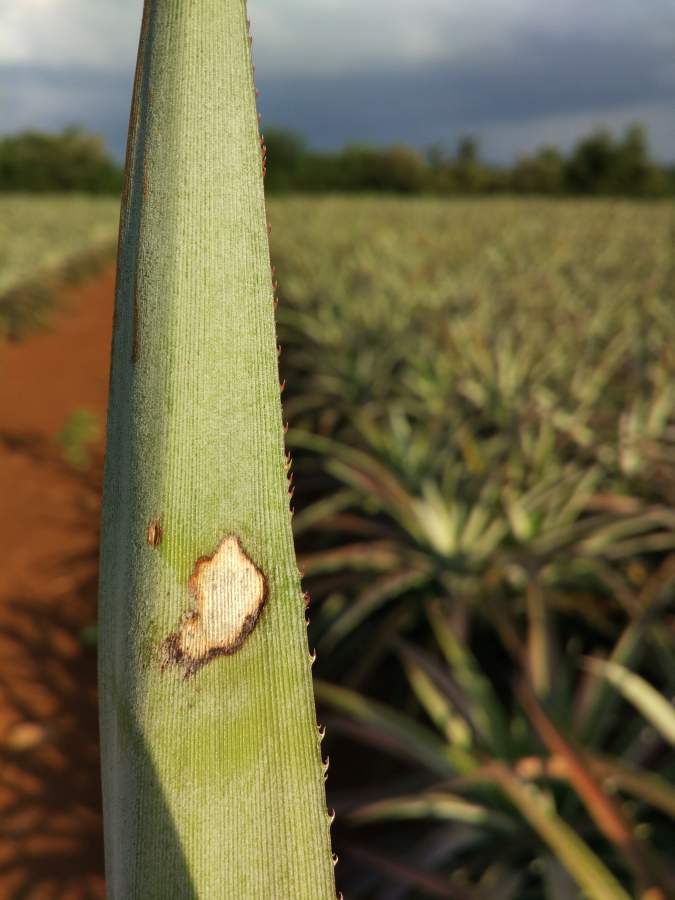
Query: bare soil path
[[50, 825]]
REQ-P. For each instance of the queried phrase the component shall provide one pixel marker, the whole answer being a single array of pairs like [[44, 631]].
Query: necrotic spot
[[229, 593]]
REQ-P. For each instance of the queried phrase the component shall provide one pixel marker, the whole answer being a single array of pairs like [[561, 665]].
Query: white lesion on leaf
[[229, 593]]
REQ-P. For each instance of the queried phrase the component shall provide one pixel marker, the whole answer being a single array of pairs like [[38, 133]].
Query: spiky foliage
[[452, 442], [213, 782], [568, 786], [482, 409]]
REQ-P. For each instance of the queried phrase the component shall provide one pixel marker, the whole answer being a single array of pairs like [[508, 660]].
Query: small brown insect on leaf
[[154, 533]]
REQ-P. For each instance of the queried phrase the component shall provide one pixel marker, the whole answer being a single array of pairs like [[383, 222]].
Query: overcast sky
[[518, 73]]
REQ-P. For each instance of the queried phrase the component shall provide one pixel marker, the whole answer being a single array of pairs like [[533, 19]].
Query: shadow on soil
[[51, 837], [51, 841]]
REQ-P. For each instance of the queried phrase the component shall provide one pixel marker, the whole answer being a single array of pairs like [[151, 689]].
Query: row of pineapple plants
[[481, 406], [46, 241]]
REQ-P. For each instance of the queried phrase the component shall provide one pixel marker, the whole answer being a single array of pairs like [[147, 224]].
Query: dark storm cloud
[[545, 76], [540, 76], [51, 98]]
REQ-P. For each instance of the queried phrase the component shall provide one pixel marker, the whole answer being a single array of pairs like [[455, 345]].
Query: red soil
[[50, 824]]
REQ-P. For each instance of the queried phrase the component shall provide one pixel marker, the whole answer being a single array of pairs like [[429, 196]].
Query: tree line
[[599, 164], [72, 160]]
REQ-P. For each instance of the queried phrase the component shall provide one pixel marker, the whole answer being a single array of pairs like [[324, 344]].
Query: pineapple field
[[480, 397], [45, 241]]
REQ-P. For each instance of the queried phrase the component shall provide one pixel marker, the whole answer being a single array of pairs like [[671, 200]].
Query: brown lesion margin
[[171, 653], [134, 318]]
